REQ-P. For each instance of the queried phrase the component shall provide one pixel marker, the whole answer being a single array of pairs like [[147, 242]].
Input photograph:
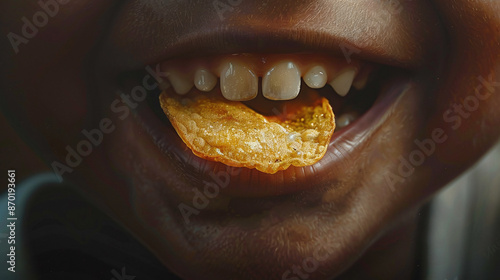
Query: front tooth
[[282, 82], [204, 80], [238, 83], [342, 83], [316, 77], [180, 82]]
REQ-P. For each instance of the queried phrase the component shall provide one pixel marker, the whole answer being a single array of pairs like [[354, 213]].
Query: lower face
[[422, 109]]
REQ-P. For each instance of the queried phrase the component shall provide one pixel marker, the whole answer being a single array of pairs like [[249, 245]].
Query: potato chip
[[232, 133]]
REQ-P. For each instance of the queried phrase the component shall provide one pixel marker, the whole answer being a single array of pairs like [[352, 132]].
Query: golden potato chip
[[234, 134]]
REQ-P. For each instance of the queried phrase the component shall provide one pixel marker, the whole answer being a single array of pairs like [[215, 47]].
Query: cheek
[[48, 58], [468, 100]]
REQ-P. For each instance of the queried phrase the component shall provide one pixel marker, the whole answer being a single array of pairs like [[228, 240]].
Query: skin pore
[[66, 78]]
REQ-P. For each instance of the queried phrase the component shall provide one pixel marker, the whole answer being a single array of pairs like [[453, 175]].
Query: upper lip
[[196, 37], [243, 39]]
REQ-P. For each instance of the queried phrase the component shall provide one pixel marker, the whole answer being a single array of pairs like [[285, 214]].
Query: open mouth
[[270, 157], [285, 76]]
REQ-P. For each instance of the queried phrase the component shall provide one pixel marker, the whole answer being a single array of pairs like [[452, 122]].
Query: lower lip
[[244, 182]]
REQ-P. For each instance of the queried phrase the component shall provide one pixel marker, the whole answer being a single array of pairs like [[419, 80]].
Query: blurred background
[[463, 241]]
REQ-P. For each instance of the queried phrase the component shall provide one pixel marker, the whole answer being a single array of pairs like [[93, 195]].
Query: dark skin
[[63, 80]]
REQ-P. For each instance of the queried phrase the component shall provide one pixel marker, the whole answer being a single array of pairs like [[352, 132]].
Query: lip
[[244, 182], [395, 40]]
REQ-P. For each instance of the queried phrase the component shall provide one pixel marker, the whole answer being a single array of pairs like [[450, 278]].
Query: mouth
[[360, 92], [376, 88]]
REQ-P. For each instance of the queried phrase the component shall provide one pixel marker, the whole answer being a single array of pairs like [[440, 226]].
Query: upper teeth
[[282, 82], [281, 77], [204, 80], [342, 83], [180, 82], [316, 77], [237, 82]]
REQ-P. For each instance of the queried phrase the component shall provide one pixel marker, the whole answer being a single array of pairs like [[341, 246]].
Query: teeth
[[342, 83], [204, 80], [346, 119], [316, 77], [238, 83], [282, 82], [281, 76], [180, 82]]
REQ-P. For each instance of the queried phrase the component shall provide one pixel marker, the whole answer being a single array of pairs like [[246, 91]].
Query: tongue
[[268, 136]]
